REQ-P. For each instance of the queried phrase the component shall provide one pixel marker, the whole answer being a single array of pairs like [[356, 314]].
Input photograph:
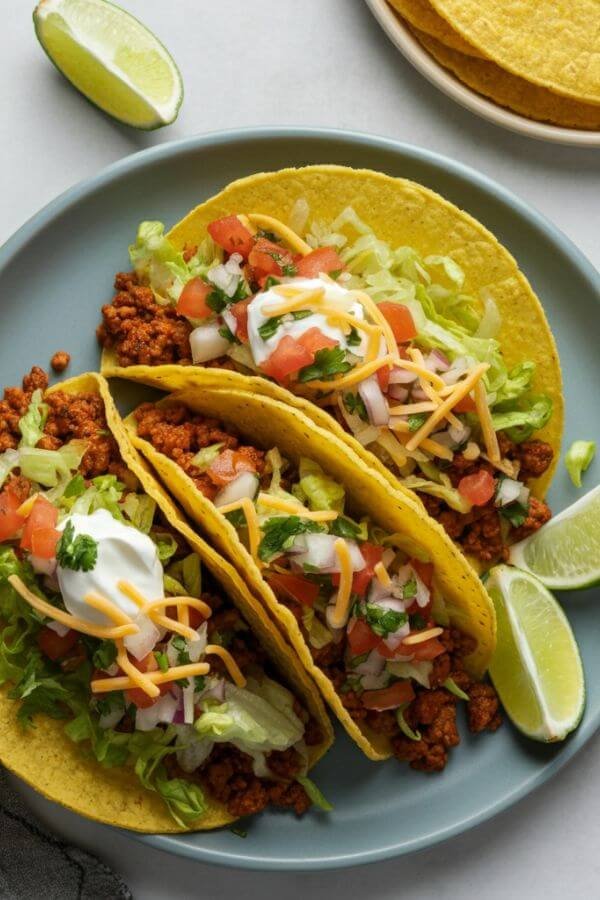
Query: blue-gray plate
[[57, 271]]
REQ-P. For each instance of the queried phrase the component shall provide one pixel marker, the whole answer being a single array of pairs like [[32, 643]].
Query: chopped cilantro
[[179, 645], [353, 339], [228, 334], [105, 655], [418, 622], [236, 517], [335, 274], [162, 660], [409, 590], [270, 282], [515, 513], [78, 553], [354, 403], [345, 528], [239, 832], [279, 534], [328, 361], [416, 420], [217, 300], [384, 621], [268, 328]]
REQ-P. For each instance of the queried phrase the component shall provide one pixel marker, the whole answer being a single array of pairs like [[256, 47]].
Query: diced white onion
[[197, 648], [436, 361], [398, 392], [523, 497], [460, 434], [112, 718], [57, 627], [367, 435], [373, 664], [227, 276], [458, 368], [374, 400], [188, 702], [215, 688], [162, 711], [245, 485], [43, 566], [508, 491], [195, 750], [402, 376], [445, 439], [206, 343], [374, 682], [140, 644], [230, 320], [320, 553]]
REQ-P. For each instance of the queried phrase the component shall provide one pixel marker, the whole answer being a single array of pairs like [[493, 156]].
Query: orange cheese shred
[[232, 667]]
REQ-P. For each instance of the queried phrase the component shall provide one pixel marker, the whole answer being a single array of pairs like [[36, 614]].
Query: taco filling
[[385, 340], [108, 623], [371, 614]]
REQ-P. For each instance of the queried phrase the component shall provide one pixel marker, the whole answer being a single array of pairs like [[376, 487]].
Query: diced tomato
[[268, 258], [387, 652], [136, 695], [383, 377], [43, 516], [239, 311], [44, 541], [390, 697], [228, 465], [314, 340], [53, 645], [400, 320], [323, 259], [424, 571], [466, 405], [296, 587], [477, 488], [288, 357], [231, 235], [192, 300], [425, 650], [361, 580], [361, 638], [10, 522]]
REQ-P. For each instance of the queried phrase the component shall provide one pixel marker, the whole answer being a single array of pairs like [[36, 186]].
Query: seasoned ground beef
[[60, 361], [140, 331], [176, 432]]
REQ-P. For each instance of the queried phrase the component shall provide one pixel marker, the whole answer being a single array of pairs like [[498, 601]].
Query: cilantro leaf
[[228, 334], [328, 361], [409, 590], [180, 646], [515, 513], [416, 420], [279, 534], [384, 621], [354, 403], [268, 328], [353, 339], [162, 660], [105, 655], [78, 553], [345, 528]]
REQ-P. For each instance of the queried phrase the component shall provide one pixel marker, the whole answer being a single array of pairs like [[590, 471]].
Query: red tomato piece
[[192, 300], [314, 340], [288, 357], [300, 589], [231, 235], [400, 320], [42, 516], [425, 650], [361, 579], [466, 405], [55, 646], [390, 697], [10, 522], [139, 697], [268, 258], [424, 571], [228, 465], [323, 259], [387, 652], [383, 377], [477, 488], [239, 311], [44, 541], [361, 638]]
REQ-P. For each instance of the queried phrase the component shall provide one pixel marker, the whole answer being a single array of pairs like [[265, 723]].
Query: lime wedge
[[112, 59], [536, 667], [565, 553]]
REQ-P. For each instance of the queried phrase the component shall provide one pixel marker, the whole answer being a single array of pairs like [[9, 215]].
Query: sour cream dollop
[[124, 554], [335, 295]]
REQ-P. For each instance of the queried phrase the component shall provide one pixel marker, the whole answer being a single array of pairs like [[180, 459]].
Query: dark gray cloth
[[36, 865]]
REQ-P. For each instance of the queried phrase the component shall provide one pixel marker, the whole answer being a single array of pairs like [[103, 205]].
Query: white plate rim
[[437, 75]]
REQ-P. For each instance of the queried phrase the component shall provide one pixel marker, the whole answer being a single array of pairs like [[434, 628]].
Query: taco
[[383, 609], [403, 320], [141, 684]]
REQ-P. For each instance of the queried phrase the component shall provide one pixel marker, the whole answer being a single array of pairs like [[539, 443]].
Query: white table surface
[[313, 62]]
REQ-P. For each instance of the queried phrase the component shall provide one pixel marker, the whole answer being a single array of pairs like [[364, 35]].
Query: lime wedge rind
[[565, 553], [536, 667], [111, 58]]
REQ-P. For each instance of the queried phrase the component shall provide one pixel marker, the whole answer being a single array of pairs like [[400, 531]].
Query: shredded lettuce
[[159, 264], [192, 575], [51, 467], [205, 457], [317, 489], [318, 633], [31, 425], [520, 424], [165, 544], [140, 510], [578, 458], [105, 492], [9, 460], [315, 796]]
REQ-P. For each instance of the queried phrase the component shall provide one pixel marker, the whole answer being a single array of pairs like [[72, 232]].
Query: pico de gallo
[[385, 340], [108, 622], [371, 613]]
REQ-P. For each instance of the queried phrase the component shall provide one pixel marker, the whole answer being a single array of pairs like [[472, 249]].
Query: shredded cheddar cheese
[[378, 317], [422, 636], [342, 602], [290, 237], [382, 575], [140, 679], [296, 509], [124, 683], [352, 377], [230, 663], [65, 618], [408, 409], [26, 507], [103, 605], [461, 389], [182, 602], [247, 506], [485, 420]]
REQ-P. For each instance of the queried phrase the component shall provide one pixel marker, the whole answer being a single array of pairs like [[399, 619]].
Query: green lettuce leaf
[[317, 489], [520, 424], [578, 458], [31, 425], [159, 264]]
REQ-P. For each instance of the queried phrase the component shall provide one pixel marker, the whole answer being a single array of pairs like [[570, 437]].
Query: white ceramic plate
[[409, 46]]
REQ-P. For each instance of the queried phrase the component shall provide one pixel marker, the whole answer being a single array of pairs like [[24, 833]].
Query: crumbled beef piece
[[537, 515], [284, 763], [484, 538], [330, 654], [312, 733], [19, 486], [535, 458], [60, 361], [383, 722], [36, 380], [140, 331], [483, 708]]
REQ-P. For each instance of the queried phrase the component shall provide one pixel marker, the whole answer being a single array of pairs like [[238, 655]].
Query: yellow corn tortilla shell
[[552, 43], [508, 90], [401, 212], [59, 769], [422, 15], [267, 423]]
